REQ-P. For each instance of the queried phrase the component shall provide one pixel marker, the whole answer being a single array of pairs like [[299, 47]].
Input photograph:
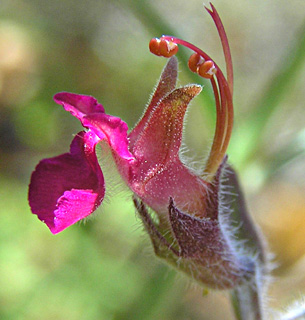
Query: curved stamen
[[201, 63], [224, 123]]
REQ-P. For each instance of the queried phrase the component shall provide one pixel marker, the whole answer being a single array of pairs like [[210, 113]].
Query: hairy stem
[[247, 301]]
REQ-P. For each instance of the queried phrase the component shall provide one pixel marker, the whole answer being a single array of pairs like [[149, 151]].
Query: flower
[[191, 232]]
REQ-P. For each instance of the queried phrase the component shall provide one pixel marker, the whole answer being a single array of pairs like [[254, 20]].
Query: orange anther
[[207, 69], [154, 46], [162, 47], [195, 61]]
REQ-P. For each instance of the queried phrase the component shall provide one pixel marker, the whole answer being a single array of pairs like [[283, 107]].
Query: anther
[[154, 45], [195, 61], [207, 69], [162, 47]]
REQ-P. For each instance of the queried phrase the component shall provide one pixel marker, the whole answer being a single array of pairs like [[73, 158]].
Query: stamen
[[201, 63], [163, 47]]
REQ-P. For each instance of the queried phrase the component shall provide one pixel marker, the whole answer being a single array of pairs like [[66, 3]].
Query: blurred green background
[[105, 268]]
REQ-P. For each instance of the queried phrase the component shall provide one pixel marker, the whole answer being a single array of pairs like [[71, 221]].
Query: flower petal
[[159, 173], [78, 105], [166, 84], [161, 138], [113, 129], [69, 187], [92, 116]]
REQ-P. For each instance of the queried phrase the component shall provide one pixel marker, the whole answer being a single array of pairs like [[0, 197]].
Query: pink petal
[[113, 129], [78, 105], [92, 115], [161, 138], [69, 187], [159, 173], [166, 84], [176, 181]]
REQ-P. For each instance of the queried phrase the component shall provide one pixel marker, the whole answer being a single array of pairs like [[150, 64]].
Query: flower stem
[[247, 302]]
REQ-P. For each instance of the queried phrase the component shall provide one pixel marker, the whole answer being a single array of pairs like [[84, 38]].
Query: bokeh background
[[105, 268]]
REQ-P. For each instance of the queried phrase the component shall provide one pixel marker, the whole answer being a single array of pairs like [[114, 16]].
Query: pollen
[[163, 47]]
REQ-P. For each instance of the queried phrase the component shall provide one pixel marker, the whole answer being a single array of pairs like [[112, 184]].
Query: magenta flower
[[189, 233]]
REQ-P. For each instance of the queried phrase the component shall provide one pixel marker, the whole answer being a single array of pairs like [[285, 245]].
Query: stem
[[247, 301]]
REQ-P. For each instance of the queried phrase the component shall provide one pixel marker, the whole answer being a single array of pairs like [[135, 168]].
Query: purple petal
[[69, 187], [92, 116], [78, 105], [113, 129]]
